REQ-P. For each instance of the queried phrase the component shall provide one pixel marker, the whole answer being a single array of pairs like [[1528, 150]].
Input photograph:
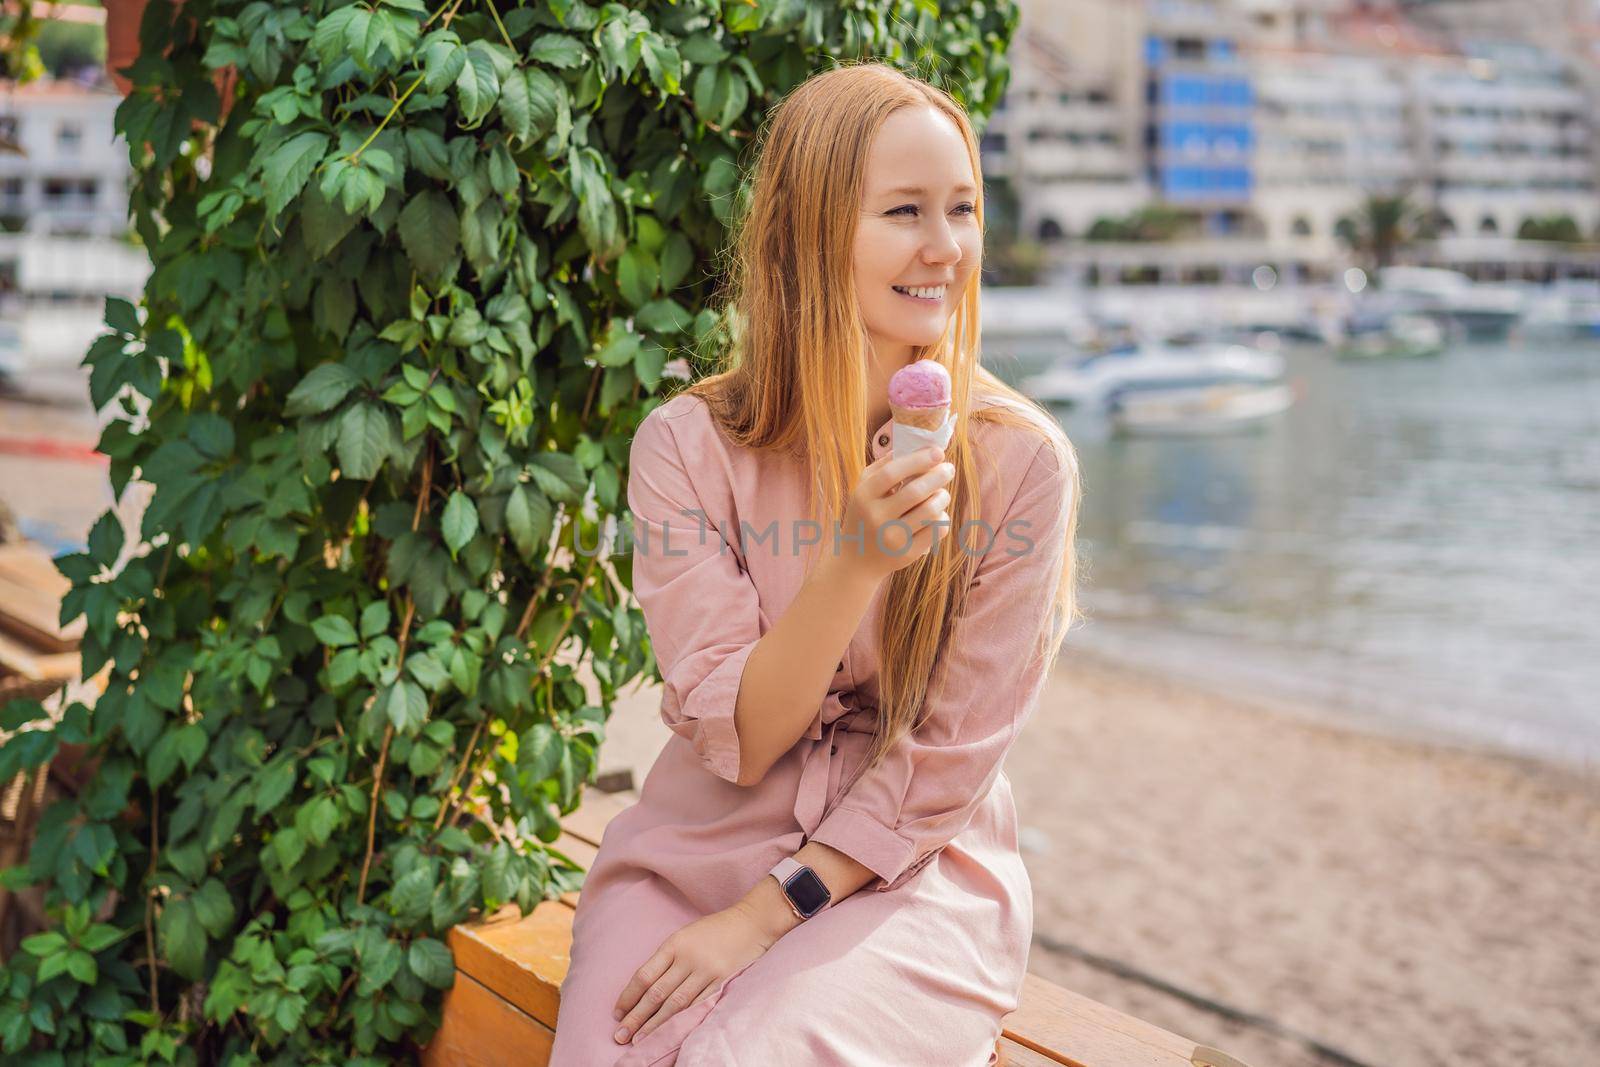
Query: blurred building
[[1066, 141], [1199, 113], [1264, 123], [1505, 137], [1332, 130], [64, 177], [62, 170]]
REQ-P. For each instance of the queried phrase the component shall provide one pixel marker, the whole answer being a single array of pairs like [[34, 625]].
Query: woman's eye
[[960, 209]]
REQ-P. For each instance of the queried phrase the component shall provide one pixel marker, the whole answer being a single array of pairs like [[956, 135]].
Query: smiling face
[[918, 241]]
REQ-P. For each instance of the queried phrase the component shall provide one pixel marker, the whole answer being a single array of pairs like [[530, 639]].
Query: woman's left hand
[[688, 964]]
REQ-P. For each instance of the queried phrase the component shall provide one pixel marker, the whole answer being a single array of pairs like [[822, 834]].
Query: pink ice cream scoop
[[923, 384], [919, 394]]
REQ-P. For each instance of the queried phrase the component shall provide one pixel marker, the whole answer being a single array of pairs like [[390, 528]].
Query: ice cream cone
[[926, 418]]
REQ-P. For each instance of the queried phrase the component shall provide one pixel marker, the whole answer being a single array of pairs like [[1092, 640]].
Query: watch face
[[807, 891]]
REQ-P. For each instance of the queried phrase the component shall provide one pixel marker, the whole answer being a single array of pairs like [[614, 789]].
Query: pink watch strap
[[786, 868]]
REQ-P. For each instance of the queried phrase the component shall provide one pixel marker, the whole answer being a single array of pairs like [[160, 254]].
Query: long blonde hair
[[793, 317]]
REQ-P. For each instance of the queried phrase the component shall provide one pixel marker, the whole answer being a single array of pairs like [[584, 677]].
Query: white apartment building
[[1505, 134], [1331, 130], [1068, 136], [62, 170]]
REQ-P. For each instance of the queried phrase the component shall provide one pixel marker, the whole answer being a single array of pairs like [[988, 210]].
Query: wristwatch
[[801, 887]]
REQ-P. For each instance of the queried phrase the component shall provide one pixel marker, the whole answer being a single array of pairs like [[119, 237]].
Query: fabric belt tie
[[811, 799]]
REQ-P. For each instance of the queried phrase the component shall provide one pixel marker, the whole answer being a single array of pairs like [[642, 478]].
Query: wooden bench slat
[[36, 665], [30, 599], [1086, 1033], [597, 809], [1013, 1054], [481, 1029], [523, 960]]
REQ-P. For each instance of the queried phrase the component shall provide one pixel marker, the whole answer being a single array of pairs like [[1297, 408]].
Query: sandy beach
[[1356, 899], [1294, 893]]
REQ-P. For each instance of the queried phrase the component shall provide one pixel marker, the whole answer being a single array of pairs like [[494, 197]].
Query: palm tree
[[1381, 226]]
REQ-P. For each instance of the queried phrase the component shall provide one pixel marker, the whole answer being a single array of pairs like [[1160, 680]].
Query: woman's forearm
[[788, 672], [841, 874]]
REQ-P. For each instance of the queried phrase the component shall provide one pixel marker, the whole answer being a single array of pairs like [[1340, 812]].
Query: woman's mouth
[[927, 294]]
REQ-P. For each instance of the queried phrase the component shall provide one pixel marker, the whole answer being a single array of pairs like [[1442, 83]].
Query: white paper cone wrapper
[[907, 439]]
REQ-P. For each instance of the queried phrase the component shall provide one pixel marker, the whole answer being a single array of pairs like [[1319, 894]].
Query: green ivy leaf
[[366, 437], [427, 671], [407, 707], [182, 938], [81, 966], [412, 895], [636, 276], [478, 85], [430, 233], [47, 943], [516, 108], [498, 886], [273, 782], [460, 521], [430, 961], [213, 907], [323, 819], [122, 316], [288, 845], [334, 631], [289, 166], [444, 58], [321, 390], [529, 517], [665, 316], [106, 539], [558, 50]]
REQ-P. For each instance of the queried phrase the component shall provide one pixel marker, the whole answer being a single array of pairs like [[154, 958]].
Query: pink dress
[[921, 964]]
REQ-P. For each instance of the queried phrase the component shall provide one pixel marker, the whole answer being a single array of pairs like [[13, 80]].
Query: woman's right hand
[[910, 489]]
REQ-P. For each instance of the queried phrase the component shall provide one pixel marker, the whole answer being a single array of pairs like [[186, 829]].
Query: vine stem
[[427, 487], [441, 11], [372, 812], [405, 636], [356, 155], [149, 898], [383, 759], [544, 662], [503, 32], [461, 767]]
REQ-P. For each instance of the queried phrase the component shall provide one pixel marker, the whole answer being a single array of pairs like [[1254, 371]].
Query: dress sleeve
[[899, 814], [700, 607]]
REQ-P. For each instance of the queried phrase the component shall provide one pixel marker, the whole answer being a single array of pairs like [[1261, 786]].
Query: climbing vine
[[413, 289]]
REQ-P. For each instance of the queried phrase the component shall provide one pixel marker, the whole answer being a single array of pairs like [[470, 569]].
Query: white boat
[[1452, 299], [1564, 310], [1205, 409], [1390, 336], [1089, 381], [1024, 330]]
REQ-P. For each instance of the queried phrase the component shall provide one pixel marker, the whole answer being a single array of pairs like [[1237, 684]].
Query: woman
[[844, 701]]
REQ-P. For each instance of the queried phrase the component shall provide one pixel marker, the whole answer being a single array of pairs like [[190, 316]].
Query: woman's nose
[[942, 246]]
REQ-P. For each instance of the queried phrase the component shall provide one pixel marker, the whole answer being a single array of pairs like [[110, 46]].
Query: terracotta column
[[122, 48]]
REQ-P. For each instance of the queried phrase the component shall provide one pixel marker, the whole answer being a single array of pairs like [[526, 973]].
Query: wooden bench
[[37, 653], [502, 1009], [38, 656]]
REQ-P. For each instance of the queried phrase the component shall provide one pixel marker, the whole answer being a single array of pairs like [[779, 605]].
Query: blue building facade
[[1200, 139]]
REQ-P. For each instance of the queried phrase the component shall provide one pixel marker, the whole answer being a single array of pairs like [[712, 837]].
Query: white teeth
[[935, 292]]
